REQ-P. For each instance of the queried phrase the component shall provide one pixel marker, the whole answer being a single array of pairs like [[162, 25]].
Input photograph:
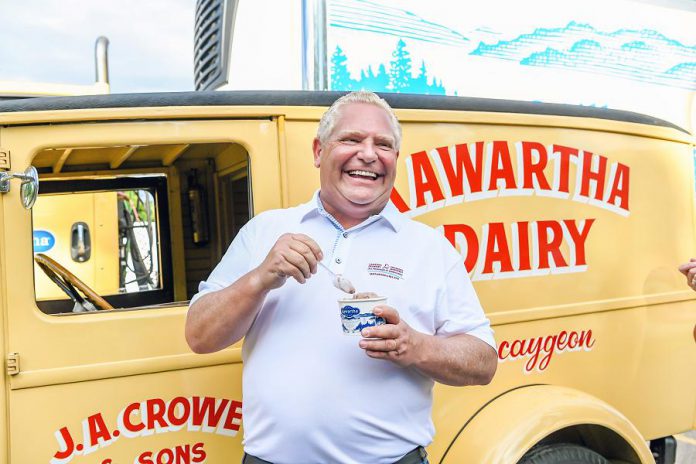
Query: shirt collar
[[390, 213]]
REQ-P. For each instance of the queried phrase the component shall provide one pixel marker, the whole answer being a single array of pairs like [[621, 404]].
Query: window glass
[[138, 262], [107, 234]]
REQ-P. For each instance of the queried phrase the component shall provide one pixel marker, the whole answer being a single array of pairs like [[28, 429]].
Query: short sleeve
[[234, 264], [459, 310]]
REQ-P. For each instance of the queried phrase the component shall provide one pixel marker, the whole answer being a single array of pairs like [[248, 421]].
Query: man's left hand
[[395, 340]]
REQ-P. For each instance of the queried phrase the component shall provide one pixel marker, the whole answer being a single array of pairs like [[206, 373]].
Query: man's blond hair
[[328, 120]]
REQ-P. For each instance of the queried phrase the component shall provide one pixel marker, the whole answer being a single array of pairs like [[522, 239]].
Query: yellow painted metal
[[511, 424], [4, 387], [637, 378], [76, 366], [57, 214], [312, 114]]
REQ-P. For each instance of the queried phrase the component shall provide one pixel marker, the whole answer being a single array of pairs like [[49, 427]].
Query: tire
[[563, 453]]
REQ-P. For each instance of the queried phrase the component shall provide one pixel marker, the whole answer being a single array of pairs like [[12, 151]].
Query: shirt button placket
[[341, 252]]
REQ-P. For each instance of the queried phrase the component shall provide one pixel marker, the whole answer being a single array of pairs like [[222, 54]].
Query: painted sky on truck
[[574, 55]]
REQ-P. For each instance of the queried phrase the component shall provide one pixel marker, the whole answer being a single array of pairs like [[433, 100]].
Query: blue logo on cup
[[43, 241], [349, 312]]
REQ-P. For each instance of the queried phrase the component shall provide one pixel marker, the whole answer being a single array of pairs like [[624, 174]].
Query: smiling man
[[311, 393]]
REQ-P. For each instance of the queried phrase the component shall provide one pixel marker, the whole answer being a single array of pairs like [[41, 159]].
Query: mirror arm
[[5, 178], [30, 182]]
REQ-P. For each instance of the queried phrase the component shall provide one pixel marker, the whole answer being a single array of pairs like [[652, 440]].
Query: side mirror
[[28, 190]]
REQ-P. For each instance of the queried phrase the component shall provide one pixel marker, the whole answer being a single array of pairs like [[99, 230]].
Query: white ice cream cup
[[356, 314]]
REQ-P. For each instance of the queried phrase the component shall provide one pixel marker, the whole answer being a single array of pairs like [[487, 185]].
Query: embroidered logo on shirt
[[385, 270]]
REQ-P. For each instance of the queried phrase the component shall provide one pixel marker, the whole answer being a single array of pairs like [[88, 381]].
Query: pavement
[[686, 447]]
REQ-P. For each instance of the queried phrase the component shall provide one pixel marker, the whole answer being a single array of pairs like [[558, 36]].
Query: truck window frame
[[157, 182]]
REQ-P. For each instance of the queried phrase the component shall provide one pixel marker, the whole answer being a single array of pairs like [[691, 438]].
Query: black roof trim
[[309, 98]]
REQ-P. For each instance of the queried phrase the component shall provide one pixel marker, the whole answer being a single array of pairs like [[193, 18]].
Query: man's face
[[357, 165]]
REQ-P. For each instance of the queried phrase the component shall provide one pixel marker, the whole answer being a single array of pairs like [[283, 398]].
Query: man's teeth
[[369, 174]]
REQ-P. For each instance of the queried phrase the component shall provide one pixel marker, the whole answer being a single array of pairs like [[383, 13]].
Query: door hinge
[[13, 364], [5, 159]]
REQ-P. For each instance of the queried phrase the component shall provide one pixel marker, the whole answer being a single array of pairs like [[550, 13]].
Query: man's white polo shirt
[[311, 394]]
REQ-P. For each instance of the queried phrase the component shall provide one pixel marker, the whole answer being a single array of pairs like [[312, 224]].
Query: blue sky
[[151, 42]]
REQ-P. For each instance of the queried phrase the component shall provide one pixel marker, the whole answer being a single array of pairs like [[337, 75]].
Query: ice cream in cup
[[356, 312]]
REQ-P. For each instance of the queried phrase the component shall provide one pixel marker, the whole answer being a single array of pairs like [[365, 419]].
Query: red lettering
[[533, 349], [472, 244], [207, 409], [549, 346], [504, 345], [588, 175], [145, 458], [501, 166], [573, 340], [619, 187], [182, 454], [127, 418], [166, 452], [497, 249], [516, 349], [233, 414], [564, 169], [586, 339], [171, 411], [425, 179], [155, 413], [523, 245], [462, 168], [550, 244], [578, 238], [199, 453], [562, 339], [534, 170], [65, 440], [546, 346], [398, 201], [97, 429]]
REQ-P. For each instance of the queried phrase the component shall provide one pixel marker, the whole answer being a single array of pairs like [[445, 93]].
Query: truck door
[[121, 385]]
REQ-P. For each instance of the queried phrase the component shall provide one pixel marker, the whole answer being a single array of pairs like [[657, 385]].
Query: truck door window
[[139, 224], [108, 233]]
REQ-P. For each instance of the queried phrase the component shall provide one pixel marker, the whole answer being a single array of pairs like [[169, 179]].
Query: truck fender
[[506, 427]]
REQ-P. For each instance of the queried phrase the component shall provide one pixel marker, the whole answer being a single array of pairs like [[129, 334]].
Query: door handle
[[80, 242]]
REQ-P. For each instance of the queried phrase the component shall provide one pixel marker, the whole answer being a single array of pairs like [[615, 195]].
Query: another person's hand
[[395, 340], [689, 270], [293, 255]]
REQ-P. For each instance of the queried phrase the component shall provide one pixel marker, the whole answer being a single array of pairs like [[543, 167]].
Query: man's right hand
[[293, 255], [689, 270]]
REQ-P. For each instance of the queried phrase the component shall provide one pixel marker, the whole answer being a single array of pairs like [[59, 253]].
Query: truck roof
[[322, 98]]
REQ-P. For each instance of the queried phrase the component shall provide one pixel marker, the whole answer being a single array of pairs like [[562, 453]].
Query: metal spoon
[[339, 281]]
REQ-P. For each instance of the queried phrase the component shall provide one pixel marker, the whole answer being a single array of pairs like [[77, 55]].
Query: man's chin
[[369, 203]]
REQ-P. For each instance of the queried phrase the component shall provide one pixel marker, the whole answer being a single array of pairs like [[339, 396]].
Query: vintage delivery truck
[[571, 220]]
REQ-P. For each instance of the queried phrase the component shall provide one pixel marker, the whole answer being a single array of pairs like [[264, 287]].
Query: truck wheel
[[563, 453]]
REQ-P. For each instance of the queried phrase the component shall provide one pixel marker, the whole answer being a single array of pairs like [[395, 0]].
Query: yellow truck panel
[[571, 221]]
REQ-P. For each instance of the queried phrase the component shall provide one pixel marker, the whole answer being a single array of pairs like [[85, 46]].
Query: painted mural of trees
[[340, 76], [400, 68], [397, 78]]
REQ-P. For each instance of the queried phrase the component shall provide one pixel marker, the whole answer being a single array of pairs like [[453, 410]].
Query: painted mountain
[[645, 55]]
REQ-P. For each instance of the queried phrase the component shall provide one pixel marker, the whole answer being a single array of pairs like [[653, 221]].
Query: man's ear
[[316, 149]]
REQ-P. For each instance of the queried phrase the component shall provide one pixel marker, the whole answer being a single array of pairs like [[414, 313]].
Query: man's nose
[[368, 152]]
